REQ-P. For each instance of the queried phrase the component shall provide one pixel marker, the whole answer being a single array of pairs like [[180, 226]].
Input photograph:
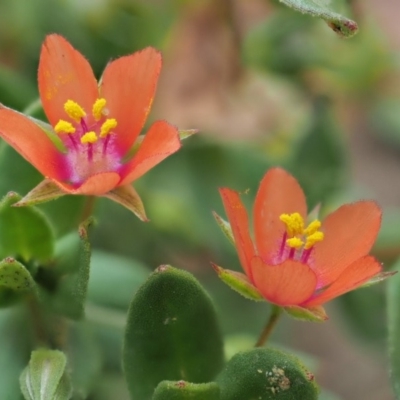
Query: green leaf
[[45, 377], [171, 333], [317, 8], [393, 318], [108, 271], [15, 280], [181, 390], [73, 257], [25, 232], [266, 374]]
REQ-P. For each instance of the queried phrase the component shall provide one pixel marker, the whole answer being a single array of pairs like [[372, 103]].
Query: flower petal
[[95, 185], [161, 140], [288, 284], [279, 193], [64, 74], [353, 276], [32, 143], [237, 216], [349, 232], [129, 84]]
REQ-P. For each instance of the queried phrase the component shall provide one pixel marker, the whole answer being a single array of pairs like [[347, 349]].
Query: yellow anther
[[314, 238], [108, 124], [89, 137], [64, 127], [294, 223], [295, 243], [312, 227], [74, 110], [98, 107]]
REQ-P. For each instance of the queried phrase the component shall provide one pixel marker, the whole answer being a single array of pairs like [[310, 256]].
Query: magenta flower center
[[89, 141]]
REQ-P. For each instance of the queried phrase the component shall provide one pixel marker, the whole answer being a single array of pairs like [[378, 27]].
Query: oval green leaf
[[181, 390], [266, 374], [171, 334]]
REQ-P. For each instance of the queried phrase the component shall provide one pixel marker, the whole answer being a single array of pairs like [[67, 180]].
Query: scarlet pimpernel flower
[[295, 262], [94, 127]]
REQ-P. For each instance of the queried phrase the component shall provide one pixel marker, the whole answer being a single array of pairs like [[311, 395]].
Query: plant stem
[[88, 208], [269, 327]]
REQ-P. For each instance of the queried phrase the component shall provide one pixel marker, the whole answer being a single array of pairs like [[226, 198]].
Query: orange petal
[[288, 284], [161, 140], [95, 185], [353, 276], [128, 84], [279, 193], [64, 74], [237, 216], [350, 232], [32, 143]]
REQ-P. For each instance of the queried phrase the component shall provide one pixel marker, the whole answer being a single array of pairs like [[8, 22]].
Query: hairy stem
[[269, 327]]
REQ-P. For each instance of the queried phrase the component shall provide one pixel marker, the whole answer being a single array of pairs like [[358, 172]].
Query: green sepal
[[45, 377], [313, 314], [181, 390], [378, 278], [72, 270], [225, 227], [171, 334], [128, 197], [45, 191], [238, 282], [24, 233], [266, 374], [186, 133], [343, 26]]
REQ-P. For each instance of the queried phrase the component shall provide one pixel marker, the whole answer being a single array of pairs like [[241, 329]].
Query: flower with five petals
[[295, 263], [94, 124]]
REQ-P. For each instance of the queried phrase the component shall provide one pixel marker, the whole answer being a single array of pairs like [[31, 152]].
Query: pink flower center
[[89, 141]]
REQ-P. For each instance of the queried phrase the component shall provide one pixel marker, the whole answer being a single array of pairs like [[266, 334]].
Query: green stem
[[88, 208], [269, 327]]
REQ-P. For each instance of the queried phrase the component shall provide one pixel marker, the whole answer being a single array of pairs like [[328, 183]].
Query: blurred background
[[265, 86]]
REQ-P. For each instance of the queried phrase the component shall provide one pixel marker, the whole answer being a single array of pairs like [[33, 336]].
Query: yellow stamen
[[89, 137], [294, 223], [314, 238], [98, 107], [109, 124], [312, 227], [74, 110], [64, 127], [294, 243]]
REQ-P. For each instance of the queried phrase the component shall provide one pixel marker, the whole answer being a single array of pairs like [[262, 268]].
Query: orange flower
[[295, 262], [96, 124]]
